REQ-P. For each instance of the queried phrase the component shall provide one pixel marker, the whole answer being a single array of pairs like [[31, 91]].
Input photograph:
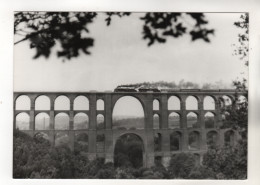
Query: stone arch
[[138, 152], [42, 102], [209, 119], [229, 137], [22, 121], [62, 103], [175, 141], [156, 121], [194, 140], [192, 120], [209, 103], [42, 121], [191, 103], [212, 138], [128, 112], [156, 104], [100, 104], [81, 142], [22, 102], [61, 121], [81, 121], [81, 103], [100, 122], [174, 120], [61, 139], [174, 103]]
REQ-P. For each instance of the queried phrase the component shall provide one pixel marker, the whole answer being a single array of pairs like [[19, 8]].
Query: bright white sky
[[121, 56]]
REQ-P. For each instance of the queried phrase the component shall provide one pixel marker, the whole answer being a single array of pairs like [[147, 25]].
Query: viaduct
[[146, 134]]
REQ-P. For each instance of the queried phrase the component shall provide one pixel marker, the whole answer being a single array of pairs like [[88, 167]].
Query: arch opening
[[229, 137], [22, 121], [156, 121], [157, 142], [100, 104], [156, 105], [194, 140], [128, 113], [81, 121], [100, 122], [42, 121], [23, 102], [174, 103], [209, 103], [62, 103], [81, 143], [192, 120], [191, 103], [174, 120], [42, 103], [100, 143], [129, 151], [61, 121], [212, 139], [61, 139], [81, 103], [209, 119], [175, 141]]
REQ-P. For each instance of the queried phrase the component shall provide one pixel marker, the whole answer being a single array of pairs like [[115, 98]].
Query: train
[[138, 88]]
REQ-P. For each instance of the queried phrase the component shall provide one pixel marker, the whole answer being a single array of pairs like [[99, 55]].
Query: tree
[[243, 38], [45, 29]]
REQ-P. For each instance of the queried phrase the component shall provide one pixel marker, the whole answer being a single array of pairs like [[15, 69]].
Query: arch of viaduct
[[147, 133]]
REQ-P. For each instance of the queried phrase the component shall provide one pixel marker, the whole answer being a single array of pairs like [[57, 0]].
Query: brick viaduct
[[147, 133]]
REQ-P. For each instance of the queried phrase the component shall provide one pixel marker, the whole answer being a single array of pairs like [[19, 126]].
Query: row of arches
[[81, 121], [194, 140], [61, 121], [192, 120], [62, 102], [81, 140]]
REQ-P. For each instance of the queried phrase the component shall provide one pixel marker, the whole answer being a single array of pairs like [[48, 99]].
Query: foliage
[[228, 162], [45, 29], [243, 39], [181, 165]]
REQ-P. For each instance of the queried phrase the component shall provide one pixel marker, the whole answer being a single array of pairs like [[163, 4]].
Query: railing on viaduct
[[146, 134]]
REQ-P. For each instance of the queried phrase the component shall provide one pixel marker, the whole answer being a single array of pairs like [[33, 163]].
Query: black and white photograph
[[130, 95]]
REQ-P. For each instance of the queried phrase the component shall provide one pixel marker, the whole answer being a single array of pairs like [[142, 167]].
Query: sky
[[121, 56]]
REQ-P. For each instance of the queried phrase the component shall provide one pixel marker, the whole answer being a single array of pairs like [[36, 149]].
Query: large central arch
[[129, 150], [128, 113]]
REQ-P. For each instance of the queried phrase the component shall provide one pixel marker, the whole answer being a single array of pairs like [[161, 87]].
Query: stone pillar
[[108, 111], [92, 144], [221, 138], [148, 106], [92, 112], [71, 113], [109, 149], [52, 115], [201, 112], [183, 113], [52, 137], [185, 140], [164, 111], [32, 114], [203, 139], [149, 148], [218, 118], [71, 140]]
